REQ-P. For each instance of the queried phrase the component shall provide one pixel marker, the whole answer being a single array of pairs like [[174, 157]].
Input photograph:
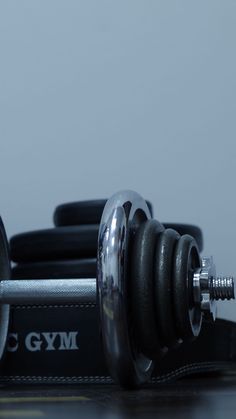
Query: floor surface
[[212, 397]]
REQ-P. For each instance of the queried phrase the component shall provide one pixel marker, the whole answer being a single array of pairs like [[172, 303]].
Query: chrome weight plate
[[123, 214], [5, 273]]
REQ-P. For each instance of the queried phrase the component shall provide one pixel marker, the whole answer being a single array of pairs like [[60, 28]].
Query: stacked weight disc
[[66, 251], [69, 249]]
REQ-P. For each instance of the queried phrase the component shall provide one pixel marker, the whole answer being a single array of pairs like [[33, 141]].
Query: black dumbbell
[[153, 288]]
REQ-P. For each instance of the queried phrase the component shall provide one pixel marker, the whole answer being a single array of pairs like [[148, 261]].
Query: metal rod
[[48, 291]]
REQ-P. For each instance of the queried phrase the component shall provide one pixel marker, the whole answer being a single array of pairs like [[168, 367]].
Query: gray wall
[[98, 96]]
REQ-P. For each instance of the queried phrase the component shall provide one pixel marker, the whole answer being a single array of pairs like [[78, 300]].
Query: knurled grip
[[48, 291]]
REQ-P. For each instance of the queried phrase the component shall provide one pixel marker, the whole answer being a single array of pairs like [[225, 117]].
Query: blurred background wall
[[98, 96]]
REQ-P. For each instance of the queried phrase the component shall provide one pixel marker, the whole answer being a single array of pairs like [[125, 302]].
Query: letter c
[[13, 344]]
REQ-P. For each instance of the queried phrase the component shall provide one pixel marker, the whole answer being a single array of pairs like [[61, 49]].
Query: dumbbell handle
[[48, 291]]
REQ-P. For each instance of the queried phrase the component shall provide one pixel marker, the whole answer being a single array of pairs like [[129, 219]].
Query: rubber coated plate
[[83, 212], [56, 243], [142, 291], [190, 229], [82, 268], [163, 265]]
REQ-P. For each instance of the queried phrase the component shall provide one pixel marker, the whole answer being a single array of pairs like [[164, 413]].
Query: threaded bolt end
[[221, 288]]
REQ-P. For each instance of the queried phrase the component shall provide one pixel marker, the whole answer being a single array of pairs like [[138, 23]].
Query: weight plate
[[163, 267], [190, 229], [186, 259], [82, 268], [82, 212], [122, 216], [56, 243], [5, 274], [142, 290]]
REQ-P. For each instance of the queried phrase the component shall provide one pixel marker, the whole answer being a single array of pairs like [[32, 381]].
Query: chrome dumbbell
[[152, 288]]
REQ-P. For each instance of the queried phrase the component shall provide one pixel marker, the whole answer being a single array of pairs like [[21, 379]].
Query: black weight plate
[[82, 268], [190, 229], [56, 243], [186, 259], [163, 267], [142, 288], [82, 212]]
